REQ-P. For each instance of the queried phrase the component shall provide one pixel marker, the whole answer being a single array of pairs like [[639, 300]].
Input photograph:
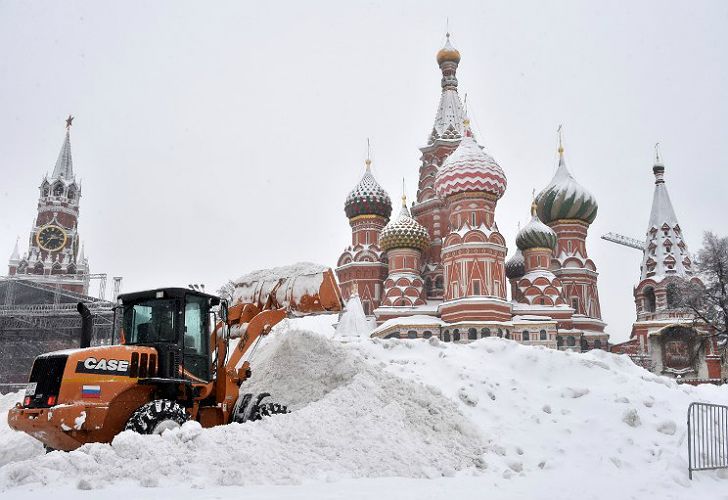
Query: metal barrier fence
[[707, 437]]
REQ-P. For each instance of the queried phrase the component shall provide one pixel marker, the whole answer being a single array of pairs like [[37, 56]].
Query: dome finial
[[534, 205], [404, 195], [561, 142], [368, 161], [658, 161], [448, 53]]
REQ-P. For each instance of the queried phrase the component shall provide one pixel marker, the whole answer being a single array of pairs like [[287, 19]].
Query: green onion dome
[[564, 198], [516, 265], [535, 234], [368, 198], [404, 232]]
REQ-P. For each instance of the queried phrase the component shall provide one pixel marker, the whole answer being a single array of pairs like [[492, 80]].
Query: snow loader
[[179, 357]]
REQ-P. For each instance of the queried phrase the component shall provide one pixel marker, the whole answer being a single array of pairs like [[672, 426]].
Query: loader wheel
[[268, 410], [249, 408], [156, 417]]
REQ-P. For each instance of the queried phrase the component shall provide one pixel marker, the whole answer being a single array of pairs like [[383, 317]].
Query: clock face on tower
[[51, 238]]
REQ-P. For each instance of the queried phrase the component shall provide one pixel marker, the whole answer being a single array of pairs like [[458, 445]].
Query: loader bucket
[[300, 289]]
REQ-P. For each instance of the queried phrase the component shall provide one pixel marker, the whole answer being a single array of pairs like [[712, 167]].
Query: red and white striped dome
[[470, 169]]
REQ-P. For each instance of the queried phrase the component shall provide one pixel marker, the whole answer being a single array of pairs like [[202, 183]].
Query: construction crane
[[624, 241]]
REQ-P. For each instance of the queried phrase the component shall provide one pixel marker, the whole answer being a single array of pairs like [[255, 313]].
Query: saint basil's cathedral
[[439, 267]]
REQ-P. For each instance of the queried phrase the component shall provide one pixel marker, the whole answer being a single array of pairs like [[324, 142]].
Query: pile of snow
[[15, 446], [351, 420], [353, 321], [291, 283], [490, 416]]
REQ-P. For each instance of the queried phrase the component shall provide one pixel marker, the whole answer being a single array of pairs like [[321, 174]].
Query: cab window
[[150, 322]]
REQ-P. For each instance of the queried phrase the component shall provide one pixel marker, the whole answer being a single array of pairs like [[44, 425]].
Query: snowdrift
[[490, 416]]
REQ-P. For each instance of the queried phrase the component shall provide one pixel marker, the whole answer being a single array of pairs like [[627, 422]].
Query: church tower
[[665, 257], [362, 267], [403, 239], [54, 254], [473, 252], [447, 131], [569, 209]]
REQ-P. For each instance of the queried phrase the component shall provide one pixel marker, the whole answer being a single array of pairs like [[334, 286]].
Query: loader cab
[[175, 321]]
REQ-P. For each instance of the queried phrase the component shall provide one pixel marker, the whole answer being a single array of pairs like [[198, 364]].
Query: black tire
[[156, 416], [249, 408], [268, 410]]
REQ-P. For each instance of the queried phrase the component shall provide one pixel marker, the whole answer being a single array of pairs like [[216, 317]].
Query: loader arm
[[265, 298]]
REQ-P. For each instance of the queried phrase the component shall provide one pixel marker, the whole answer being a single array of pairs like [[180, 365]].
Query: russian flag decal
[[91, 391]]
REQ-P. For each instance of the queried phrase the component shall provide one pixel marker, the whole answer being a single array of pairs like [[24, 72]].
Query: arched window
[[559, 341], [412, 334], [570, 341], [597, 344], [393, 335], [71, 193], [542, 335], [455, 335], [446, 336], [428, 285], [427, 334], [584, 344], [58, 189], [484, 332], [508, 334], [500, 333], [650, 301], [472, 334], [673, 296], [525, 336]]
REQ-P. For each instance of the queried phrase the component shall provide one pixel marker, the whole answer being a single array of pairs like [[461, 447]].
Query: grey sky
[[215, 138]]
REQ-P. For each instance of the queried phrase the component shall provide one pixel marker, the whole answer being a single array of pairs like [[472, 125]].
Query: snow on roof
[[414, 320]]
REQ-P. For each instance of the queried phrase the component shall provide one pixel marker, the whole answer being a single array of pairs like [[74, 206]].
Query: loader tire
[[249, 408], [268, 410], [157, 416]]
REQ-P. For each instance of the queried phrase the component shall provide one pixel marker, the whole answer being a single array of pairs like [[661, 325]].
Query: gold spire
[[534, 205], [404, 196], [561, 144]]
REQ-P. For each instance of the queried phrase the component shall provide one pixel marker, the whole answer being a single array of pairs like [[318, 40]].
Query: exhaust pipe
[[86, 325]]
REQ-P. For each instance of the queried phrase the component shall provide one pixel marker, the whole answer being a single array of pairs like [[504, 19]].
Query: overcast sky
[[217, 138]]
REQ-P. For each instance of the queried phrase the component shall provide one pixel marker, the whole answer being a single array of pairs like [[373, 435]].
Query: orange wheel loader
[[179, 357]]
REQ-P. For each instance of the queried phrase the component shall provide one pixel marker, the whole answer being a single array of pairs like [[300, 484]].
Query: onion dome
[[470, 169], [535, 234], [516, 265], [368, 197], [448, 53], [564, 198], [404, 232]]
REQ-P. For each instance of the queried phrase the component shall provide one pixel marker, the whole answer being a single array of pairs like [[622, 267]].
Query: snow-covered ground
[[403, 419]]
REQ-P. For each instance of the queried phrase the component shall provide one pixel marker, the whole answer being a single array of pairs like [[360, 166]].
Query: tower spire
[[64, 164], [16, 251]]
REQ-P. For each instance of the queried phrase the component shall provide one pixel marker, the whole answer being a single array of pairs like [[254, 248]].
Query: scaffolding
[[38, 317]]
